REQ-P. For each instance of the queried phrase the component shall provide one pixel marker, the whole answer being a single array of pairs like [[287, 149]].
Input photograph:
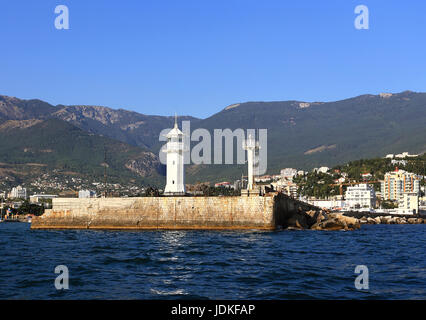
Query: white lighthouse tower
[[251, 146], [175, 184]]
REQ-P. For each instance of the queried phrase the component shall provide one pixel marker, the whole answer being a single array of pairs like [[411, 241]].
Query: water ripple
[[213, 265]]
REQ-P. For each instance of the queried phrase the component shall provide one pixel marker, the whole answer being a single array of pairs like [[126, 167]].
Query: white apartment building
[[288, 173], [87, 194], [287, 187], [321, 169], [324, 169], [332, 204], [397, 182], [18, 192], [405, 155], [360, 196], [38, 197], [409, 202]]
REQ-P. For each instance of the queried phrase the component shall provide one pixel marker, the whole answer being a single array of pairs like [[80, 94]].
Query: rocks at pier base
[[391, 220], [315, 216], [298, 221], [337, 221], [331, 224], [385, 220], [415, 220], [319, 220]]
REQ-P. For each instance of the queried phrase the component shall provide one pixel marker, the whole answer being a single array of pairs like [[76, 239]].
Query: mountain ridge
[[300, 134]]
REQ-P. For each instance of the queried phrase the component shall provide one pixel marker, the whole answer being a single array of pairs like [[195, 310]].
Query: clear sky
[[196, 57]]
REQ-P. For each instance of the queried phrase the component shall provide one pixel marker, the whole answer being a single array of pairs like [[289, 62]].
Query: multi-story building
[[288, 173], [224, 184], [36, 198], [405, 155], [366, 176], [397, 182], [323, 169], [265, 178], [360, 196], [301, 173], [409, 202], [287, 187], [18, 192], [87, 194], [332, 204]]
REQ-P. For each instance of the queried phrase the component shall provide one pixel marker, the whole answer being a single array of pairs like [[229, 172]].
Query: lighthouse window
[[173, 181], [173, 162]]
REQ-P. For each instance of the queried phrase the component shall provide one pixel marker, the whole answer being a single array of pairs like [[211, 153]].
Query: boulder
[[371, 221], [378, 220], [337, 221], [330, 224], [415, 220], [313, 217], [298, 221], [393, 220], [385, 220], [400, 220], [352, 223], [323, 215], [363, 220]]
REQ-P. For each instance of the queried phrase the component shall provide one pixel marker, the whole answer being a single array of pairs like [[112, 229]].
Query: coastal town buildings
[[409, 202], [405, 155], [400, 155], [399, 162], [18, 193], [87, 194], [37, 198], [329, 204], [321, 170], [360, 196], [263, 179], [366, 176], [397, 182], [285, 186], [224, 184], [288, 173]]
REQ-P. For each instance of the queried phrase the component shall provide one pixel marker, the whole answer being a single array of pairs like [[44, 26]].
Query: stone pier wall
[[251, 212]]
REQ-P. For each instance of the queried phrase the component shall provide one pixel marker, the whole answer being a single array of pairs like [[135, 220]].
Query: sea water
[[213, 264]]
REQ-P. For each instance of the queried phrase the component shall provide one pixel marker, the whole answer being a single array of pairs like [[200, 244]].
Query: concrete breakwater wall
[[250, 212]]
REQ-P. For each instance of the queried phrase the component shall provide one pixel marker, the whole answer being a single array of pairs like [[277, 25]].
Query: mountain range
[[300, 134]]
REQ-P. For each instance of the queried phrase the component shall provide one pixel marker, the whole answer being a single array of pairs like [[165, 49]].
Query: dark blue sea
[[213, 264]]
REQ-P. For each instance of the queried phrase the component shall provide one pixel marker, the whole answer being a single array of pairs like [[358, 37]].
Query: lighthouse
[[251, 146], [175, 183]]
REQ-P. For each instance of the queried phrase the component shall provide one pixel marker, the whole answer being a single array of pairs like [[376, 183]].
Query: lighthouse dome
[[175, 132]]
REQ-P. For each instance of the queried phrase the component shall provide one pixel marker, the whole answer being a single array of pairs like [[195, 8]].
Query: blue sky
[[196, 57]]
